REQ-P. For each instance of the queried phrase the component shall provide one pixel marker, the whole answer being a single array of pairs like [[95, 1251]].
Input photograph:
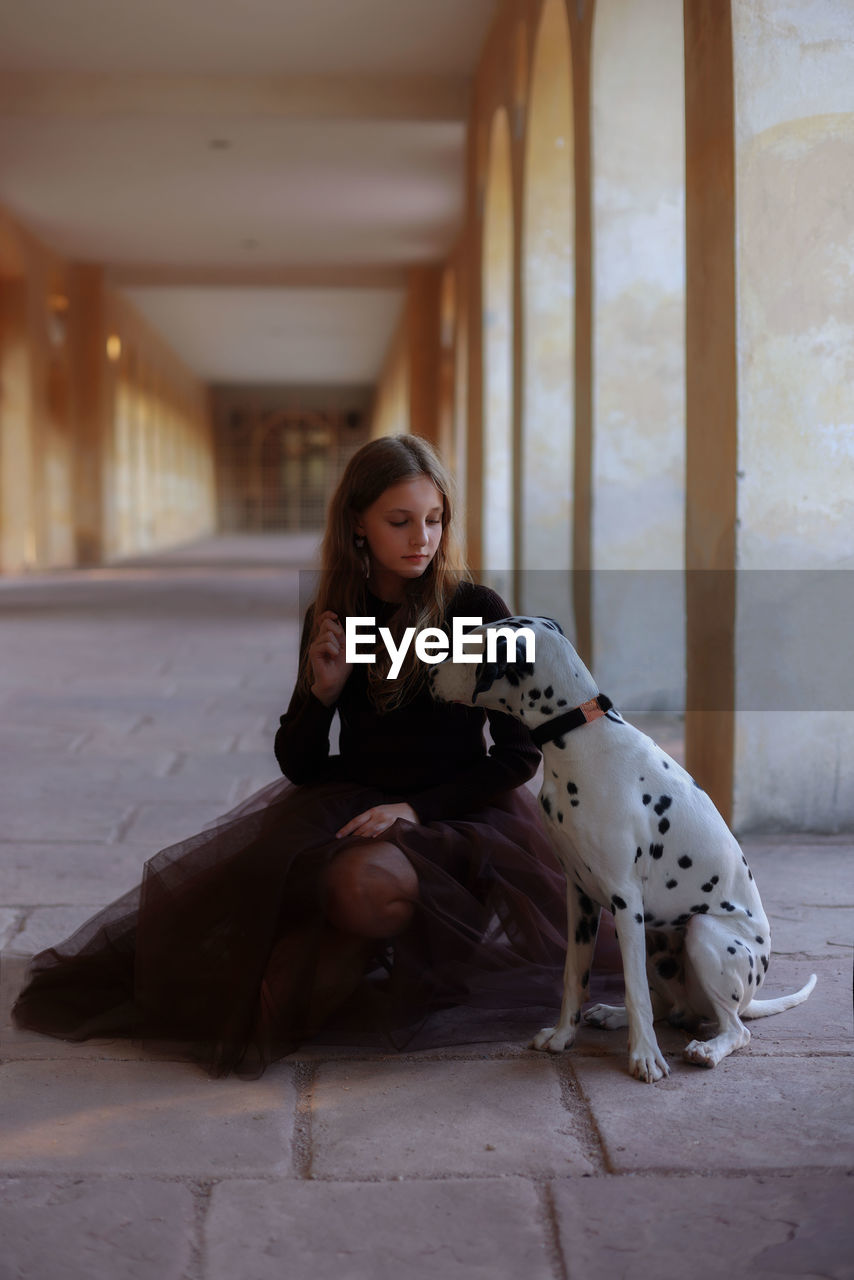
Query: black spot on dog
[[744, 860], [760, 939], [664, 802], [750, 977], [749, 874], [764, 960], [554, 773], [665, 763], [586, 904], [707, 887], [547, 711], [663, 826], [734, 996], [667, 968], [671, 884], [738, 942], [656, 851], [680, 921], [731, 950], [617, 901], [574, 804], [750, 959], [715, 879], [685, 861], [546, 803], [561, 702], [749, 914], [572, 788], [503, 701], [639, 917], [559, 816], [548, 692], [638, 853], [646, 798], [727, 906], [641, 779], [701, 909], [533, 694]]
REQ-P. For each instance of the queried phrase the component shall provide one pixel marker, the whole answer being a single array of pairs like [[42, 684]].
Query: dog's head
[[505, 679]]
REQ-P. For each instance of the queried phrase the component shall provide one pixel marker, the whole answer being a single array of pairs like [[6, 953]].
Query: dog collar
[[592, 710]]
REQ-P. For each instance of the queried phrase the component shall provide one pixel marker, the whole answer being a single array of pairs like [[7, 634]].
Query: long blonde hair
[[374, 468]]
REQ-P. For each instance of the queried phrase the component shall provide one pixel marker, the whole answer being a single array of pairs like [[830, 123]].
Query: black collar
[[570, 720]]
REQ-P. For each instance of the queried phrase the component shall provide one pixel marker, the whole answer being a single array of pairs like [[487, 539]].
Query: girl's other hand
[[373, 822], [326, 654]]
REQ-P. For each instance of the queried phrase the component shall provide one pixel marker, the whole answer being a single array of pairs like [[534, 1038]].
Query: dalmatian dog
[[637, 836]]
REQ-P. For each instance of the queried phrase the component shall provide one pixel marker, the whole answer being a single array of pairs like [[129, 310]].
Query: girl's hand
[[373, 822], [326, 655]]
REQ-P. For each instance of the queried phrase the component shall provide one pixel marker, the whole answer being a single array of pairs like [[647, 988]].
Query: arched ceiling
[[298, 153]]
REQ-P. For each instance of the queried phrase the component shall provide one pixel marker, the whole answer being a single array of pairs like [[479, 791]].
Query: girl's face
[[402, 530]]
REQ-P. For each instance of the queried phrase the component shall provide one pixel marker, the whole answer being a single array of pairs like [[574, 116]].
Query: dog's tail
[[764, 1008]]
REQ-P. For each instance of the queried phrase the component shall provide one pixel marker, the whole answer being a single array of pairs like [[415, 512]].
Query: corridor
[[139, 702]]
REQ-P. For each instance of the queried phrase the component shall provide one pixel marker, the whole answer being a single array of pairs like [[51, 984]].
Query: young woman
[[386, 892]]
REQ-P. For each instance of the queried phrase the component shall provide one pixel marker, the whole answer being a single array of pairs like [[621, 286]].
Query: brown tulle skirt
[[224, 949]]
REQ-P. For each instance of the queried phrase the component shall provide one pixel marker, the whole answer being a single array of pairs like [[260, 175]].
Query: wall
[[794, 160], [99, 457]]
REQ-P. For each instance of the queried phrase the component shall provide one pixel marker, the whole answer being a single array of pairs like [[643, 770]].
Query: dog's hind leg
[[721, 964], [582, 919]]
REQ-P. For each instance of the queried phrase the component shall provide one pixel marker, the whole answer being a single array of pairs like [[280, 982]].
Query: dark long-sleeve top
[[430, 754]]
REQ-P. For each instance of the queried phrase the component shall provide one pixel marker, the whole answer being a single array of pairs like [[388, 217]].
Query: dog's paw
[[699, 1052], [608, 1016], [648, 1064], [553, 1040]]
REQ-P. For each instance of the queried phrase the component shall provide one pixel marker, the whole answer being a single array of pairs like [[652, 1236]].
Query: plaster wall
[[548, 281], [794, 741], [638, 466]]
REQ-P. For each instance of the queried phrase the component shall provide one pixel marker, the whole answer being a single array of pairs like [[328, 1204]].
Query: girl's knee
[[370, 890]]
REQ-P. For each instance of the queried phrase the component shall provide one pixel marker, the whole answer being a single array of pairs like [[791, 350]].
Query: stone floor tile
[[143, 1117], [68, 873], [824, 1024], [121, 1228], [811, 931], [9, 920], [670, 1228], [390, 1119], [170, 821], [412, 1230], [748, 1113], [46, 926], [818, 870]]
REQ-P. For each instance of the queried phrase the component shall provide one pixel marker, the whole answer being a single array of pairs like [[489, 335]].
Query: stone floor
[[138, 703]]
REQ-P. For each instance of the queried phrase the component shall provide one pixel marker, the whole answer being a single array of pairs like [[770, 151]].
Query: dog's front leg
[[582, 923], [646, 1061]]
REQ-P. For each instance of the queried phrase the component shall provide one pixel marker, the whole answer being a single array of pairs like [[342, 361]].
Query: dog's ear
[[489, 672]]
